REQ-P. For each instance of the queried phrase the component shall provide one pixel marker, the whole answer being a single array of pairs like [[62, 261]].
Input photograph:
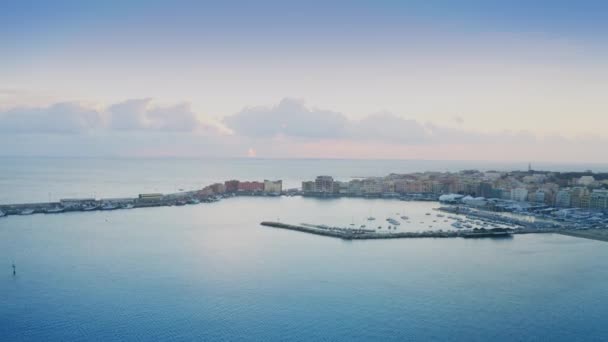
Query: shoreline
[[590, 234]]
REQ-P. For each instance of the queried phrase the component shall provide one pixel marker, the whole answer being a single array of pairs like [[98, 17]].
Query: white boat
[[393, 221], [108, 206], [129, 206], [54, 210], [26, 212]]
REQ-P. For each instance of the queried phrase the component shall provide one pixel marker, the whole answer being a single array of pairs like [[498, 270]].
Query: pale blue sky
[[482, 67]]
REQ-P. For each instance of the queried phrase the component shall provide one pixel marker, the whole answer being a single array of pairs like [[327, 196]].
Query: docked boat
[[26, 212], [54, 210], [404, 217], [89, 207], [108, 206], [129, 206], [371, 218], [393, 221]]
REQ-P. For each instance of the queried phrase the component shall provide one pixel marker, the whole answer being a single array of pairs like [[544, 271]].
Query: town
[[556, 200]]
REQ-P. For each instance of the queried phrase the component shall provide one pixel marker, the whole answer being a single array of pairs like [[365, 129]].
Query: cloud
[[130, 115], [388, 128], [60, 118], [141, 114], [290, 118]]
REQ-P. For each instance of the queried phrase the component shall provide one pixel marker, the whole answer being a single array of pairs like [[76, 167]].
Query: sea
[[210, 272]]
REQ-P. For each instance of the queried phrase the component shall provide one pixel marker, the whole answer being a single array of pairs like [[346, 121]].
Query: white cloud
[[290, 118], [130, 115], [141, 114], [60, 118]]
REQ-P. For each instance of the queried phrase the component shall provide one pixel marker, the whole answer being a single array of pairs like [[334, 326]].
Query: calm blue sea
[[209, 272]]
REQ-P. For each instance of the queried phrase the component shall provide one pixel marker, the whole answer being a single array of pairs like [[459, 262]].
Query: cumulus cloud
[[60, 118], [290, 118], [130, 115], [141, 114]]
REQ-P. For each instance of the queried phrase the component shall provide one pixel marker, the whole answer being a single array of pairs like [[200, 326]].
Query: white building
[[519, 194], [563, 198], [586, 180], [275, 187]]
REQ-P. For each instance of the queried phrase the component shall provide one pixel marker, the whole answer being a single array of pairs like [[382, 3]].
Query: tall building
[[275, 187], [580, 197], [251, 186], [519, 194], [324, 184], [599, 200], [232, 185], [563, 198], [308, 186]]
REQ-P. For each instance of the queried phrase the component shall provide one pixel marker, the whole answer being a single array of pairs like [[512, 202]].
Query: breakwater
[[362, 234]]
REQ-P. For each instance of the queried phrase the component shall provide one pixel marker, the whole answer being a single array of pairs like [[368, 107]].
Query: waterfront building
[[563, 198], [586, 180], [150, 198], [539, 196], [218, 188], [599, 200], [308, 186], [231, 185], [372, 186], [580, 197], [251, 186], [519, 194], [485, 190], [355, 187], [324, 184], [275, 187]]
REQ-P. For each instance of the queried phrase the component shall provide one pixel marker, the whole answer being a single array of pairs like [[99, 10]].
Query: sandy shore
[[594, 234]]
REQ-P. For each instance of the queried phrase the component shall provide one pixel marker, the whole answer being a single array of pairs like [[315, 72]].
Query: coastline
[[591, 234]]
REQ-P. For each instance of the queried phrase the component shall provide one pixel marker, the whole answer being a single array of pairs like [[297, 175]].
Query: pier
[[363, 234]]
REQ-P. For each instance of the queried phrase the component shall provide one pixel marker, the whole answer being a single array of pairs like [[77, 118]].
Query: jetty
[[367, 234]]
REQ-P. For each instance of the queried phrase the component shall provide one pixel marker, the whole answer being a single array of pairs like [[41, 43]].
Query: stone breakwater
[[363, 234]]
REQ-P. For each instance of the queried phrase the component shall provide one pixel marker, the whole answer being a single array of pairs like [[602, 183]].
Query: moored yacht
[[108, 206], [54, 210], [393, 221], [26, 212]]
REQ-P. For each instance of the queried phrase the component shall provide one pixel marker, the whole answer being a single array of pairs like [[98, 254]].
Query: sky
[[469, 80]]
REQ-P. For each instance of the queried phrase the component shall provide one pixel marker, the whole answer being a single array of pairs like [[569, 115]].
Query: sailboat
[[370, 217]]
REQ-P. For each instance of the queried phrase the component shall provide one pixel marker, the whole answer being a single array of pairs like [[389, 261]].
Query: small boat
[[26, 212], [371, 218], [404, 217], [428, 214], [129, 206], [108, 206], [54, 210], [89, 207], [393, 221]]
